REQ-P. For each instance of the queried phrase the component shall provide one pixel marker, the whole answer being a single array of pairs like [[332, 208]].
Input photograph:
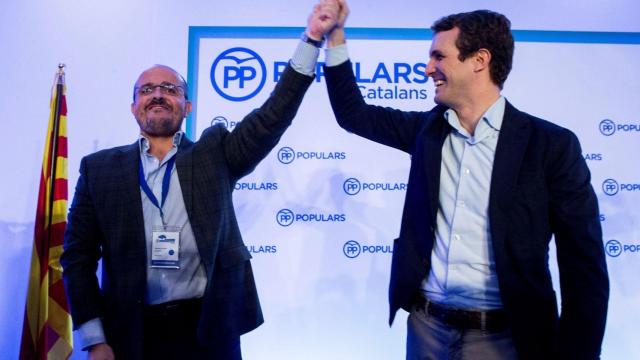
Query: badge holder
[[165, 247]]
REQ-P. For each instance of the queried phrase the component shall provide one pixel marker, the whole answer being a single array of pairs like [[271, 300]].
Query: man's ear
[[482, 59]]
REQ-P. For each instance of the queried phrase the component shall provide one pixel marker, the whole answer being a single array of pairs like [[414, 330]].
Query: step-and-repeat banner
[[320, 212]]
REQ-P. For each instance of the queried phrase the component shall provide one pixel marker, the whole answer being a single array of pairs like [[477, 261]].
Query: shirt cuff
[[336, 55], [91, 333], [305, 58]]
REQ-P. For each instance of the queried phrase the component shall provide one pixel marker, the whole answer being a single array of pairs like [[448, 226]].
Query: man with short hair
[[488, 187], [176, 277]]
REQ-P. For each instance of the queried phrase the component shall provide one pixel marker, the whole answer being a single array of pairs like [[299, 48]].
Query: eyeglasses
[[165, 88]]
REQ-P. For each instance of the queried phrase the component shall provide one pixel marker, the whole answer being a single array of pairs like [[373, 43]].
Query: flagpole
[[54, 144]]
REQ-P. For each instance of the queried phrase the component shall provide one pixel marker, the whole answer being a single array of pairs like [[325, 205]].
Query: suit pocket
[[233, 256]]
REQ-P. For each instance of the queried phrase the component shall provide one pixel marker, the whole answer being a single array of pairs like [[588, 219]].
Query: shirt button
[[461, 203], [466, 171], [456, 237]]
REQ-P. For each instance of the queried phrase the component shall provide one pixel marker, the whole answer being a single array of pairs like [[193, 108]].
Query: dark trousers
[[170, 333]]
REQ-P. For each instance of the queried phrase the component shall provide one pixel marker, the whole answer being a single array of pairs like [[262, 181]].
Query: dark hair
[[482, 29]]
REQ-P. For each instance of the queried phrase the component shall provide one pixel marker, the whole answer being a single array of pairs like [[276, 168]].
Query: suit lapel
[[129, 167], [512, 143], [433, 142], [185, 169], [184, 166]]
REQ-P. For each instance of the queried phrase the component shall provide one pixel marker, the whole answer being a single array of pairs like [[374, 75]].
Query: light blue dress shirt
[[463, 270], [190, 280]]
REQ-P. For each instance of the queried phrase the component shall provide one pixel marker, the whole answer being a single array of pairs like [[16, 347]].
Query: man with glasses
[[176, 277]]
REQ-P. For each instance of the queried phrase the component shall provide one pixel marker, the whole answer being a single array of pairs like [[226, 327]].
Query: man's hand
[[100, 352], [323, 19], [336, 35], [342, 14]]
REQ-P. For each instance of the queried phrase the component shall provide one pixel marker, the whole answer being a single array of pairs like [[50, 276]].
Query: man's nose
[[157, 92], [430, 69]]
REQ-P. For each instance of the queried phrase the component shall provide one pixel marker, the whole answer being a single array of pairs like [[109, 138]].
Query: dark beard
[[160, 127]]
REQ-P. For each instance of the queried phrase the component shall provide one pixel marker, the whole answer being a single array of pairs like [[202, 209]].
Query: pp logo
[[220, 120], [613, 248], [610, 187], [607, 127], [286, 155], [238, 74], [351, 249], [351, 186], [285, 217]]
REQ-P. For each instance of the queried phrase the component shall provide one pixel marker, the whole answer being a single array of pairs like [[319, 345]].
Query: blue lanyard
[[165, 185]]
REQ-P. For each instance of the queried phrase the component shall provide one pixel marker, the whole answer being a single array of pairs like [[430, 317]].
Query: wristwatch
[[317, 43]]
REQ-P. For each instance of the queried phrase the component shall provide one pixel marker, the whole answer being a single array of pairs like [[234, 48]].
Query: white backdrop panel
[[321, 240]]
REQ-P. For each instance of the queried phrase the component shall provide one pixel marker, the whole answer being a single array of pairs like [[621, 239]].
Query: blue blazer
[[540, 186], [105, 221]]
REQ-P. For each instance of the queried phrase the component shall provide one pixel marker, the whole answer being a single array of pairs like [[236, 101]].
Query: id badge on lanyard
[[165, 240], [165, 247]]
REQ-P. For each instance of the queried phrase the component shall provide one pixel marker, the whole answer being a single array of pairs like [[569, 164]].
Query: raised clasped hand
[[323, 18]]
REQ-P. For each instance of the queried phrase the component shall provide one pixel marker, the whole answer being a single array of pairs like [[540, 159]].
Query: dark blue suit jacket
[[105, 220], [540, 186]]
